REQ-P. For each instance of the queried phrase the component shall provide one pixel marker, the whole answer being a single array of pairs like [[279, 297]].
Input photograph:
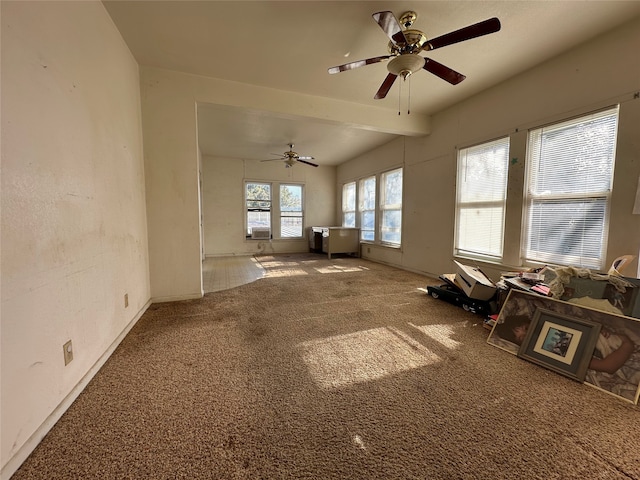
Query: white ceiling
[[289, 45]]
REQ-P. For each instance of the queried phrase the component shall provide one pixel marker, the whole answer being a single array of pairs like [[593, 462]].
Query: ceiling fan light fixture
[[405, 65], [289, 162]]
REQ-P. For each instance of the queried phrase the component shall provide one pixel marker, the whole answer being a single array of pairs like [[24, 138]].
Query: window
[[291, 211], [262, 211], [391, 207], [367, 209], [349, 205], [258, 200], [569, 181], [481, 193]]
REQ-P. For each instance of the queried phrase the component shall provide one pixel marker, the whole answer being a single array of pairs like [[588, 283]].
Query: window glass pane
[[349, 220], [258, 191], [367, 235], [291, 216], [481, 195], [349, 204], [291, 198], [258, 206], [290, 226], [368, 194], [569, 181], [368, 220], [391, 226], [391, 206], [349, 197], [393, 188], [367, 207]]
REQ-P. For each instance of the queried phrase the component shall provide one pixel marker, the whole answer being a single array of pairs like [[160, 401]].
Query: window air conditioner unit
[[260, 233]]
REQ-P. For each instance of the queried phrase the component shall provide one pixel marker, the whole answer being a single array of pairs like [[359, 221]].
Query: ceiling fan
[[290, 158], [405, 45]]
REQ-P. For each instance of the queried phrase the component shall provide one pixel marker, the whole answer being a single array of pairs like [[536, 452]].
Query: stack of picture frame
[[598, 347]]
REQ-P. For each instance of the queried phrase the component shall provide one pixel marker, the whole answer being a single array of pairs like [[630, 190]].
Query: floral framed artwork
[[560, 343]]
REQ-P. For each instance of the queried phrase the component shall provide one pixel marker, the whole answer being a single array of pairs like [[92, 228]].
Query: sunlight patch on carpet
[[285, 272], [440, 333], [340, 269], [363, 356]]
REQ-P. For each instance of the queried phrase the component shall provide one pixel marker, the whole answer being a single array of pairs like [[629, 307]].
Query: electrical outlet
[[126, 300], [67, 349]]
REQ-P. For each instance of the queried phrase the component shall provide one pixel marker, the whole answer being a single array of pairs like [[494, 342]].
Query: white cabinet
[[338, 239]]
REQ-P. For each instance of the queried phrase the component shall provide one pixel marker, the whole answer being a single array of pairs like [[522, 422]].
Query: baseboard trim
[[29, 446], [177, 298]]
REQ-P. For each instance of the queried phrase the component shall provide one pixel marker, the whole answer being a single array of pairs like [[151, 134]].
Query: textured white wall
[[591, 76], [169, 107], [74, 235]]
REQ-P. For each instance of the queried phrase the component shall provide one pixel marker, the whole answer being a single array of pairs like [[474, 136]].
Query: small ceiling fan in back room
[[291, 158], [406, 43]]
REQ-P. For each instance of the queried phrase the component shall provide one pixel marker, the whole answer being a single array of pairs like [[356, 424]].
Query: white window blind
[[569, 181], [349, 205], [367, 208], [391, 207], [481, 195]]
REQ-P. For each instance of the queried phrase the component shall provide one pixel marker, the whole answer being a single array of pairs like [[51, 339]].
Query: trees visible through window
[[481, 193], [349, 205], [367, 208], [569, 182], [278, 207], [258, 201], [291, 218], [378, 193], [391, 207]]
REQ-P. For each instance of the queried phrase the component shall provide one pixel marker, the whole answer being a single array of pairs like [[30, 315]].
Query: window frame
[[247, 228], [280, 211], [490, 252], [349, 208], [385, 208], [363, 208], [275, 210], [538, 199]]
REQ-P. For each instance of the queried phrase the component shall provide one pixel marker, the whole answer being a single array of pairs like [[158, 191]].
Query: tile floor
[[221, 273]]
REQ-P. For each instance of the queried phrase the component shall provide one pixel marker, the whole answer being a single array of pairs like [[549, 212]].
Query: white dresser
[[336, 239]]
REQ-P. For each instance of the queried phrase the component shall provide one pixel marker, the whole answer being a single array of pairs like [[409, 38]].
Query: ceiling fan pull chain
[[399, 96], [409, 97]]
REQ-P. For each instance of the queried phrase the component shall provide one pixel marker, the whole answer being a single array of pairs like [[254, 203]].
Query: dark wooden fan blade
[[386, 86], [359, 63], [467, 33], [390, 25], [308, 163], [443, 71], [305, 158]]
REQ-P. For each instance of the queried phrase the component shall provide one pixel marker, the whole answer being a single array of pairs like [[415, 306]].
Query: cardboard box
[[474, 283]]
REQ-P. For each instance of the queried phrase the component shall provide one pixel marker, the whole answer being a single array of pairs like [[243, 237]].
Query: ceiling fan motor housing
[[416, 40]]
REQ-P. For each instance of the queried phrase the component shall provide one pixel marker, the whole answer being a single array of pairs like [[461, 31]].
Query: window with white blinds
[[391, 207], [481, 195], [569, 182], [349, 204], [367, 208]]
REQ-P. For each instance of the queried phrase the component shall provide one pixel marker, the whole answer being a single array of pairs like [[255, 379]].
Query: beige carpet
[[331, 369]]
